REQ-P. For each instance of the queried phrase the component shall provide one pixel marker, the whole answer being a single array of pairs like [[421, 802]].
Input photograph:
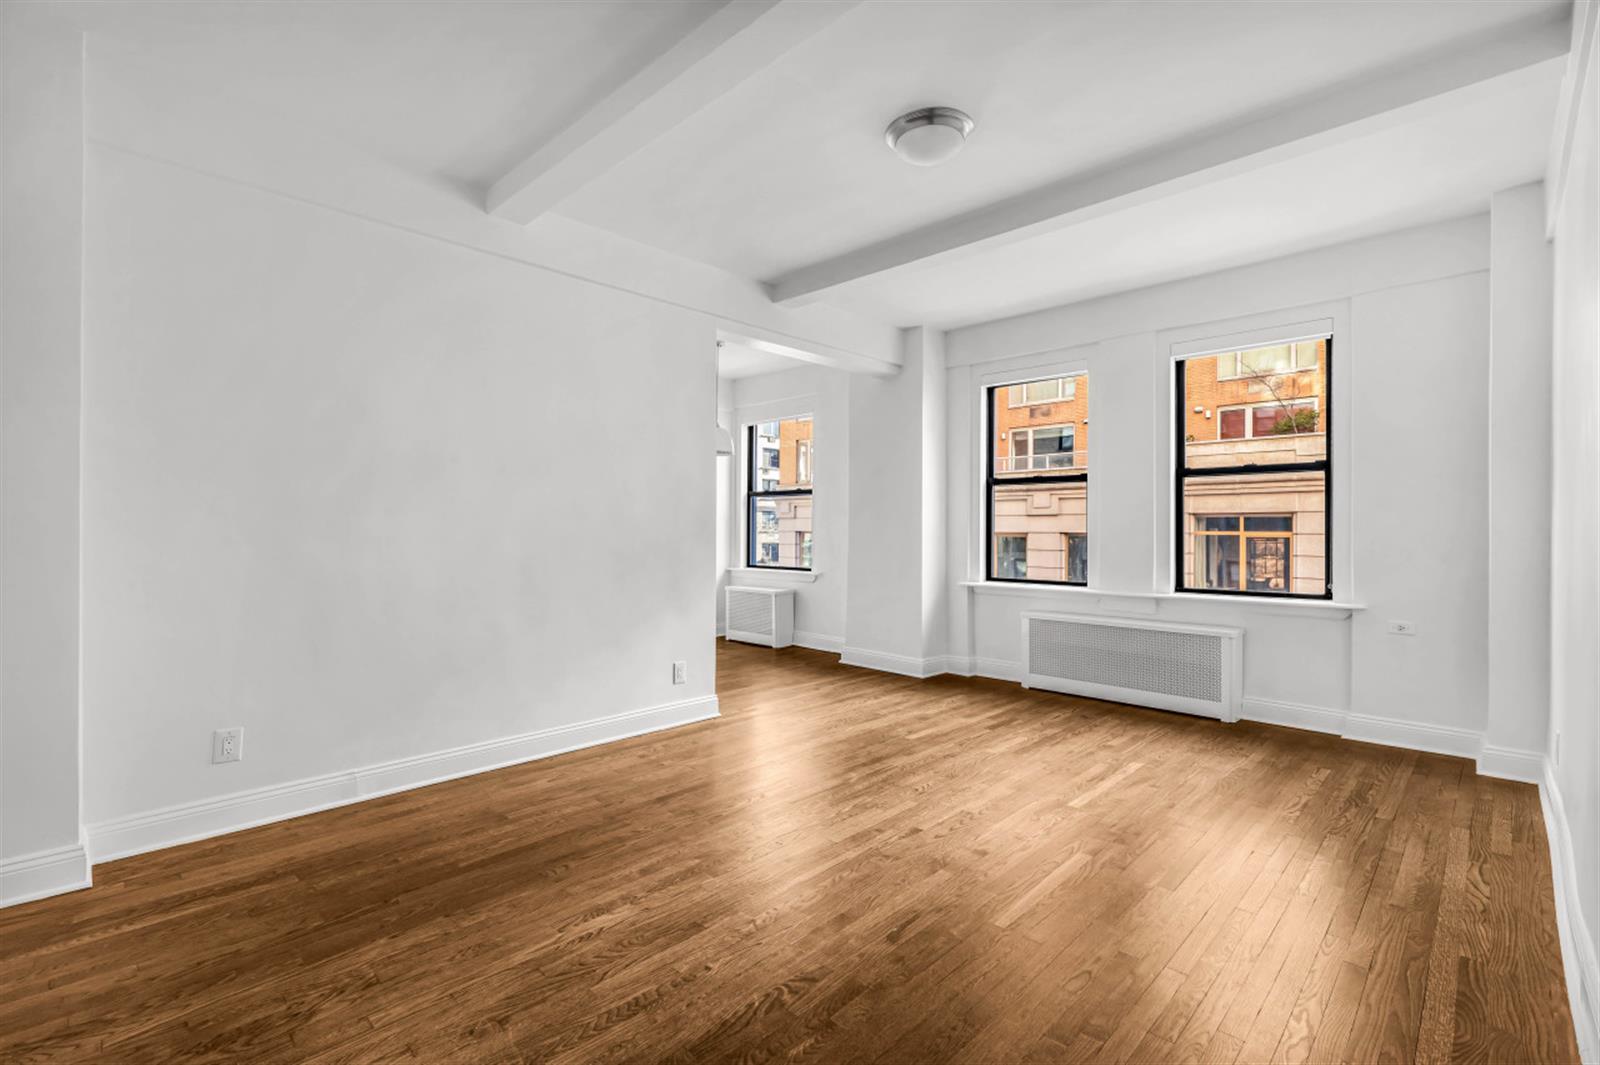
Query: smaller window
[[778, 529]]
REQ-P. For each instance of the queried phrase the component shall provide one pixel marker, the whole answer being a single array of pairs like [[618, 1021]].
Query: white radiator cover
[[1198, 669], [760, 615]]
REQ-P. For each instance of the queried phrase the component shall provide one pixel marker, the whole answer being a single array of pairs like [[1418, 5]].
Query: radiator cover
[[1197, 669], [760, 615]]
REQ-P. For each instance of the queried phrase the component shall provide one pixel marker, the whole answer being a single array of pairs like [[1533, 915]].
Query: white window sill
[[1150, 602], [777, 576]]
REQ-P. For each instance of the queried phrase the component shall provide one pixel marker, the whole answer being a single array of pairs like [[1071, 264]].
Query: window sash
[[1056, 468], [755, 547], [1184, 472]]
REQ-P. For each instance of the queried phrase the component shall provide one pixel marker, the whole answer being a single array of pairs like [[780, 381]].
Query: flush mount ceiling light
[[929, 135]]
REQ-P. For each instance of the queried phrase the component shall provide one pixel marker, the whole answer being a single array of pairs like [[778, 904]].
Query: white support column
[[41, 271], [895, 606], [1518, 456]]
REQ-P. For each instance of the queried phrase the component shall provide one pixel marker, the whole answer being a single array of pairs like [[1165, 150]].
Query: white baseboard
[[1509, 763], [997, 669], [1577, 946], [818, 642], [1293, 715], [43, 873], [188, 822], [1418, 736], [883, 661]]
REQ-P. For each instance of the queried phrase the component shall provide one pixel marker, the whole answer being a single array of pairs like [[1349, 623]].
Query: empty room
[[902, 531]]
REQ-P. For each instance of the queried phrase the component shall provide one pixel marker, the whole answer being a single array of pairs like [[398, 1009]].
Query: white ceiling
[[789, 168], [1442, 166], [735, 360]]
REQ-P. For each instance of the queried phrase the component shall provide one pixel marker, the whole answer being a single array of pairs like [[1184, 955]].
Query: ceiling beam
[[1355, 108], [739, 39]]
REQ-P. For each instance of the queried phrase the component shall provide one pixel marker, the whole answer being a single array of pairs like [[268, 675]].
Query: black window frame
[[991, 480], [1184, 472], [752, 494]]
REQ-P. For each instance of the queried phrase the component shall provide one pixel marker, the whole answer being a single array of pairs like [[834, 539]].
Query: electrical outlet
[[227, 745], [680, 672], [1402, 628]]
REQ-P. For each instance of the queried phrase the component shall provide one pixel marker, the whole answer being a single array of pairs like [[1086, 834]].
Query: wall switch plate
[[680, 672], [1402, 628], [227, 745]]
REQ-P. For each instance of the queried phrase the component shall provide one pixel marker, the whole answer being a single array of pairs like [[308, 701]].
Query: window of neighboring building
[[1011, 557], [1037, 481], [1254, 479], [1049, 390], [1245, 553], [1044, 447], [779, 523], [1078, 558], [1274, 358], [1267, 419]]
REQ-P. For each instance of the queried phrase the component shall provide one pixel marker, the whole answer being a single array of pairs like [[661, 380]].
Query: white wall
[[819, 609], [1409, 312], [896, 617], [1573, 791], [1518, 606], [41, 198], [368, 494]]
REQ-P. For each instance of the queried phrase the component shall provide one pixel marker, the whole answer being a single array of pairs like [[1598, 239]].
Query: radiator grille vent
[[1185, 665], [750, 612]]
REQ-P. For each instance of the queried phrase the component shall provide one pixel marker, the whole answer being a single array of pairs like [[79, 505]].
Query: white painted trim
[[884, 662], [187, 822], [816, 641], [1506, 763], [44, 873], [1293, 715], [777, 576], [1580, 65], [1135, 602], [1414, 735], [1509, 763], [1577, 945]]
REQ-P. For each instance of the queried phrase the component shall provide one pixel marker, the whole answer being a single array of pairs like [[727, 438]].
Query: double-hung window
[[1037, 481], [778, 513], [1254, 479]]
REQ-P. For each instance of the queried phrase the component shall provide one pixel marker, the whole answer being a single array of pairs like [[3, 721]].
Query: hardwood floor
[[848, 866]]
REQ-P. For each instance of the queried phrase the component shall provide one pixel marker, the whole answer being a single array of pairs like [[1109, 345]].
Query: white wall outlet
[[1402, 628], [227, 745], [680, 672]]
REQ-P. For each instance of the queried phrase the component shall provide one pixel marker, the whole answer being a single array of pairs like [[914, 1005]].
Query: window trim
[[1181, 472], [991, 480], [752, 494]]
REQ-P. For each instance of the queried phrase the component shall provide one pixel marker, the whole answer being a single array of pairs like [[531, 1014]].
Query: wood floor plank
[[846, 866]]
